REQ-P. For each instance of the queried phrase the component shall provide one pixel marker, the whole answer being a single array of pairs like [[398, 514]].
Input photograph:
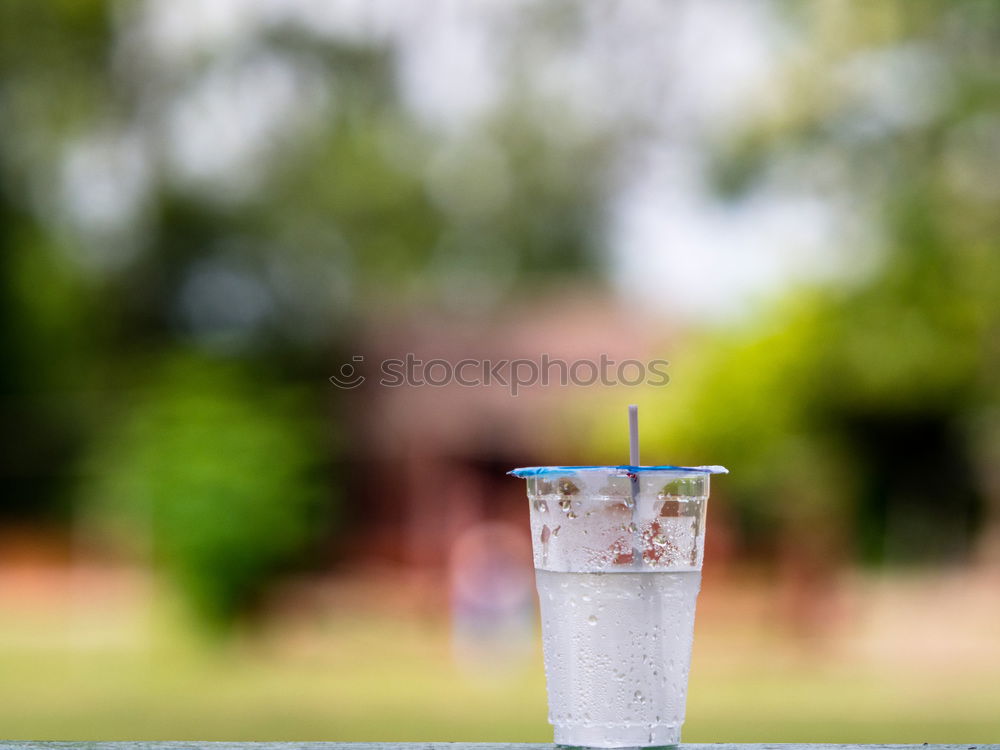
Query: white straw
[[633, 435]]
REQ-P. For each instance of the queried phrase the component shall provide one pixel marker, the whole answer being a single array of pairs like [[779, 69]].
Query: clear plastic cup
[[618, 553]]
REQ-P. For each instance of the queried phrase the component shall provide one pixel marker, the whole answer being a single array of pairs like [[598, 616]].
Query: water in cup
[[631, 639]]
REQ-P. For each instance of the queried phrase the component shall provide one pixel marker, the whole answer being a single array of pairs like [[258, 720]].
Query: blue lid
[[544, 471]]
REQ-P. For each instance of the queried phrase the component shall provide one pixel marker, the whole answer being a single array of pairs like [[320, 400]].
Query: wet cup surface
[[618, 555]]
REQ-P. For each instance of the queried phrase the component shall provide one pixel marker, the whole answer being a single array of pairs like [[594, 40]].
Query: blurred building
[[431, 461]]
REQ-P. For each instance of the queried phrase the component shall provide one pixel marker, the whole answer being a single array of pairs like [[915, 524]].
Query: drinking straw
[[633, 435], [633, 460]]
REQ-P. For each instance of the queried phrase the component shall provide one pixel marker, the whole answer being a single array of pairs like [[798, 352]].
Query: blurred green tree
[[192, 230], [214, 478], [862, 405]]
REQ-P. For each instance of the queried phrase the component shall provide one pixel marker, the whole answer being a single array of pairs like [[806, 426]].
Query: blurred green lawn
[[389, 678]]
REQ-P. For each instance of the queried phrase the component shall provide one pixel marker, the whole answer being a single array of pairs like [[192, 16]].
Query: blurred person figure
[[492, 597]]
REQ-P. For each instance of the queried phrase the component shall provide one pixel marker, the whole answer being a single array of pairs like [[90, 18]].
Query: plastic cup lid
[[543, 471]]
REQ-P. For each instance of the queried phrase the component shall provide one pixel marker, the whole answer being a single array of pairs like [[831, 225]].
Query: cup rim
[[544, 471]]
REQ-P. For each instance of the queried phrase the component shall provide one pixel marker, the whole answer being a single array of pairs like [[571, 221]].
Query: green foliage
[[860, 402], [117, 253], [751, 401], [214, 476]]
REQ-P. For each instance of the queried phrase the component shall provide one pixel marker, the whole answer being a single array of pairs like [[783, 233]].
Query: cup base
[[612, 736]]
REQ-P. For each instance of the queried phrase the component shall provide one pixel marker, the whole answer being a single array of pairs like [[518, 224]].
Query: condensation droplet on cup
[[565, 503], [541, 506], [660, 540], [592, 619], [566, 487]]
